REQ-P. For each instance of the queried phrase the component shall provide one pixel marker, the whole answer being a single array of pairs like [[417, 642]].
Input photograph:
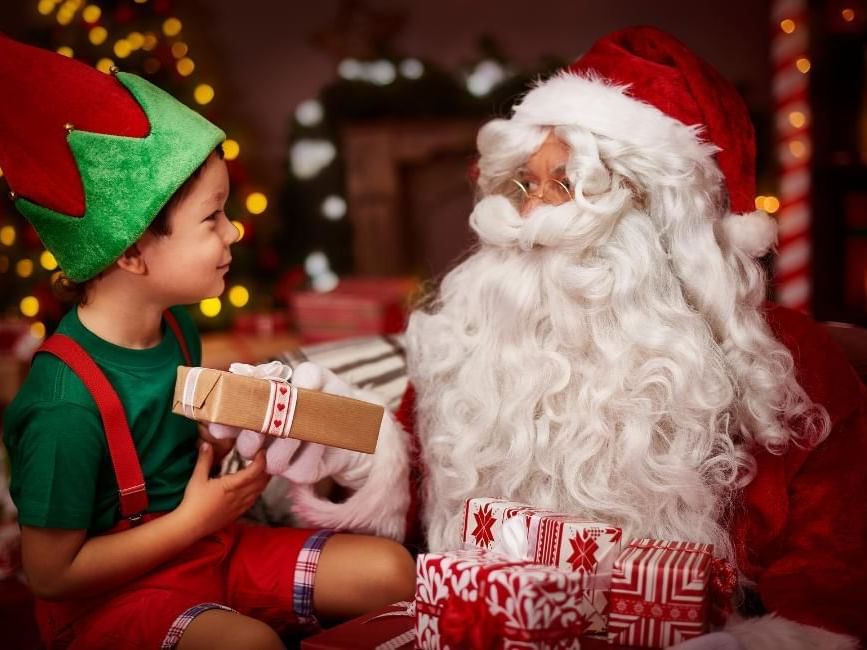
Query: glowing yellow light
[[65, 50], [29, 306], [122, 48], [104, 65], [257, 203], [797, 148], [65, 16], [848, 15], [210, 307], [7, 235], [151, 65], [240, 228], [150, 41], [135, 40], [203, 94], [772, 204], [140, 2], [231, 149], [179, 49], [1, 173], [172, 27], [91, 13], [797, 119], [239, 295], [37, 330], [803, 65], [760, 202], [47, 260], [45, 7], [788, 25], [185, 67], [24, 268], [97, 35]]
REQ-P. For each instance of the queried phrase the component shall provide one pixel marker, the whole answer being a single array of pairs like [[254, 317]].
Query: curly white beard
[[563, 365]]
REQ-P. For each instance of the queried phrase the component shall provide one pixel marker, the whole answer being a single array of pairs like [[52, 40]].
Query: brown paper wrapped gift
[[276, 408]]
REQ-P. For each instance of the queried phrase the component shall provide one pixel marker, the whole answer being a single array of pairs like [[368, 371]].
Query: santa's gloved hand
[[308, 462], [712, 641]]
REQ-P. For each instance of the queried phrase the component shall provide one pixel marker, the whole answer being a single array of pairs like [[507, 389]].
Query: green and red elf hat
[[92, 158]]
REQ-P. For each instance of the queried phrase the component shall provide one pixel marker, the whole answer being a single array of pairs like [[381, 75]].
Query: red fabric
[[801, 527], [121, 449], [248, 568], [663, 72], [45, 91]]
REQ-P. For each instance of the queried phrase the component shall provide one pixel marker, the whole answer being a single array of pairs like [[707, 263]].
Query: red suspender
[[124, 459], [130, 481], [173, 324]]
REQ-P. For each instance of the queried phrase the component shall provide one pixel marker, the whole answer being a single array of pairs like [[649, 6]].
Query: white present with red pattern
[[555, 539], [474, 598], [660, 593]]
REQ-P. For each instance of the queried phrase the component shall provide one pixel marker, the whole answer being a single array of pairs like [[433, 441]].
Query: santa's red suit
[[611, 356]]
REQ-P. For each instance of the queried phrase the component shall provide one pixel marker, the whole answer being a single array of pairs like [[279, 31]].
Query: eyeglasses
[[552, 192]]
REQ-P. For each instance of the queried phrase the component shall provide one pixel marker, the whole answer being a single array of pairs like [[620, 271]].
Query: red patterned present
[[477, 599], [660, 593], [554, 539], [391, 628], [358, 306]]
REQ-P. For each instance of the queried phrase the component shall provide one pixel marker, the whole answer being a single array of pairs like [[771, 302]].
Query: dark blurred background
[[352, 127]]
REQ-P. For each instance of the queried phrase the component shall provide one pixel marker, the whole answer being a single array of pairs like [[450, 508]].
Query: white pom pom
[[753, 232]]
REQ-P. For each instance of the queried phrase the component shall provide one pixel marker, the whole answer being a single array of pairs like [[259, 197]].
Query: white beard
[[562, 366]]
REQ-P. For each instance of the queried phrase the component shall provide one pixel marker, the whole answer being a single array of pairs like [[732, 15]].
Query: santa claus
[[606, 350]]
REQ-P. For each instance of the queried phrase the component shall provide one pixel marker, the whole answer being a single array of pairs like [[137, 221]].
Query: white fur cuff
[[379, 506], [774, 633]]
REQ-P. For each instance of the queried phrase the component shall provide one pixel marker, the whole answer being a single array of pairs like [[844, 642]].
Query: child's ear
[[132, 261]]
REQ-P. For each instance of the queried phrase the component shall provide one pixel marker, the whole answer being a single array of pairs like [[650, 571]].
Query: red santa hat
[[643, 86]]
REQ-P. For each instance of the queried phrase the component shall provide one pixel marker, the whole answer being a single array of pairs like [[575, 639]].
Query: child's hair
[[76, 292]]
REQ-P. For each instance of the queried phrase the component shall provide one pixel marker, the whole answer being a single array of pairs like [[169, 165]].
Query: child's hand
[[210, 504]]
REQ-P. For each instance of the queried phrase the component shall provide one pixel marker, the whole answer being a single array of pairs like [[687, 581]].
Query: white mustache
[[498, 223]]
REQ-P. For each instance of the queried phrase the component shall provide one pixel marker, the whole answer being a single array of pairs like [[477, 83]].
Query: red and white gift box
[[587, 548], [660, 593], [473, 598]]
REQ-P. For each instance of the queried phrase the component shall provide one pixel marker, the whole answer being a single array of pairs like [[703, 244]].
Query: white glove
[[712, 641], [308, 462]]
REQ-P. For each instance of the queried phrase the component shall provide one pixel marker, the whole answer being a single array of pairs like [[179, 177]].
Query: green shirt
[[62, 475]]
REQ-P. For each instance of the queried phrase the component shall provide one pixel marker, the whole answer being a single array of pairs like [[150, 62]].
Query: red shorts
[[266, 573]]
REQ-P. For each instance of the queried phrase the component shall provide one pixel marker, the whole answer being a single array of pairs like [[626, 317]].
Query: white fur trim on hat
[[754, 233], [606, 109]]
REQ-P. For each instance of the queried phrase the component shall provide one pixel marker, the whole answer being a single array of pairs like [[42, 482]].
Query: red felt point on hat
[[663, 72], [44, 91]]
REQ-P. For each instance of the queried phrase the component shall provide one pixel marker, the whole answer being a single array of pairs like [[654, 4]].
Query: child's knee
[[394, 571]]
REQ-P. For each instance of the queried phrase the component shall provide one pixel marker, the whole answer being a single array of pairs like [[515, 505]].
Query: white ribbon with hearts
[[283, 398]]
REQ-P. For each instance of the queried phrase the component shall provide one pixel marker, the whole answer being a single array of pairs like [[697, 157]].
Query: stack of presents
[[523, 577], [519, 577]]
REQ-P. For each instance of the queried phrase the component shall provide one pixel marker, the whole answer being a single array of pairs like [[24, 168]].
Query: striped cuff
[[305, 573], [183, 621]]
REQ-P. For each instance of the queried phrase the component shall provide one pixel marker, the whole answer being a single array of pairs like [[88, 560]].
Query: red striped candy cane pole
[[790, 55]]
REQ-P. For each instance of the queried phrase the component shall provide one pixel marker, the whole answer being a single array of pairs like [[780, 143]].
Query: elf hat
[[643, 86], [92, 158]]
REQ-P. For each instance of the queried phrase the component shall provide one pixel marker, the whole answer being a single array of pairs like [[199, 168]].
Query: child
[[126, 541]]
